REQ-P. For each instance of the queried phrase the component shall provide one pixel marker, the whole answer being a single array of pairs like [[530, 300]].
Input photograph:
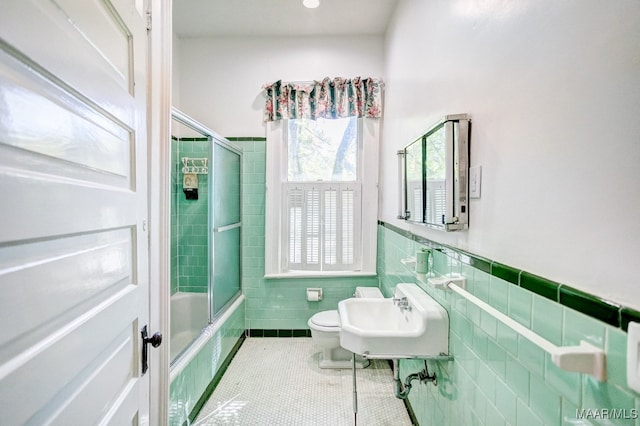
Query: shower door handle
[[154, 340], [227, 227]]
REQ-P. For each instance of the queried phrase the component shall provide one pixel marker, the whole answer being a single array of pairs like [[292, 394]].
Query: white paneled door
[[73, 209]]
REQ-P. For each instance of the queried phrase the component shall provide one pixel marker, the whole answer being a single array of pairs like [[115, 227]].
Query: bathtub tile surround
[[189, 221], [190, 386], [276, 304], [500, 376]]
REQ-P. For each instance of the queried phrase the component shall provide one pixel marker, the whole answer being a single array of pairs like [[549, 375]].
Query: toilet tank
[[368, 293]]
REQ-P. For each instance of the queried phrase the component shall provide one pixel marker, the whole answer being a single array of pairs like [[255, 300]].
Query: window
[[322, 195], [316, 189]]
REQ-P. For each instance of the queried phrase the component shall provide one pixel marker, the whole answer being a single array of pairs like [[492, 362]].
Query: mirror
[[435, 184], [414, 178]]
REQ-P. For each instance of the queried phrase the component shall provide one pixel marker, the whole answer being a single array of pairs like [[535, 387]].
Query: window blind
[[324, 226]]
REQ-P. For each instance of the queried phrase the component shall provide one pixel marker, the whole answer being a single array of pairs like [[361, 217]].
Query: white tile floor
[[277, 381]]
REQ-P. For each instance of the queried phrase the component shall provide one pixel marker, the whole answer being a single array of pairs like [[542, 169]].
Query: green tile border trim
[[626, 316], [541, 286], [259, 332], [194, 139], [505, 272], [246, 139], [593, 306], [214, 382], [584, 302]]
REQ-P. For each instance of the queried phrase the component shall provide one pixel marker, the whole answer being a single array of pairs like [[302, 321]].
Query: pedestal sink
[[411, 325]]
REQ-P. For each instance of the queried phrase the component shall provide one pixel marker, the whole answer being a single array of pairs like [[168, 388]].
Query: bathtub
[[196, 365], [190, 336], [189, 315]]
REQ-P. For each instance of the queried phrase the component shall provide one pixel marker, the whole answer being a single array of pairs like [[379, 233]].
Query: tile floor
[[277, 381]]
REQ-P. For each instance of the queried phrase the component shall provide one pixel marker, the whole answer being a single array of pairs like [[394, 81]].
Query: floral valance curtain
[[337, 98]]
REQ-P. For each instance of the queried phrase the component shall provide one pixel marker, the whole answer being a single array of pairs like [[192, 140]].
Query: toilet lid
[[326, 319]]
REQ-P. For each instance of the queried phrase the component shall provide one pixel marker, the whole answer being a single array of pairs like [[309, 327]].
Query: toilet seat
[[326, 321]]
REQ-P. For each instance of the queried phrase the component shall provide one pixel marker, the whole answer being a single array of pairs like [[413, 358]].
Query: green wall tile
[[440, 263], [488, 324], [486, 381], [545, 401], [531, 356], [501, 377], [517, 377], [480, 285], [506, 401], [479, 405], [494, 416], [599, 395], [480, 342], [546, 319], [520, 304], [499, 294], [616, 351], [461, 325], [568, 384], [569, 410], [496, 358], [507, 338], [526, 417], [578, 327]]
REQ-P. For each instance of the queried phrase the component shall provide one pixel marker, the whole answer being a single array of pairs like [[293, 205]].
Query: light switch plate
[[475, 181], [633, 356]]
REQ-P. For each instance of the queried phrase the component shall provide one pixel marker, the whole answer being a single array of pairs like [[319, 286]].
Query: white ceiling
[[198, 18]]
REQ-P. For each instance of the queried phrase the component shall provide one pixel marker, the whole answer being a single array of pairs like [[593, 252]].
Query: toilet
[[325, 332]]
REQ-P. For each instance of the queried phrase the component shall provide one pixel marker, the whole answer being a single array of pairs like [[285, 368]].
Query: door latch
[[155, 341]]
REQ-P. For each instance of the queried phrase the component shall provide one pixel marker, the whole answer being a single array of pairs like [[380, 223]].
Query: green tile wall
[[189, 222], [497, 376], [276, 303], [187, 388]]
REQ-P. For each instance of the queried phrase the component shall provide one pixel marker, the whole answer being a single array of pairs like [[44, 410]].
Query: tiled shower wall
[[498, 377], [189, 272], [189, 222], [276, 304]]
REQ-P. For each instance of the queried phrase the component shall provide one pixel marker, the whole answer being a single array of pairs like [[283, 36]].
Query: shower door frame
[[225, 144], [215, 138]]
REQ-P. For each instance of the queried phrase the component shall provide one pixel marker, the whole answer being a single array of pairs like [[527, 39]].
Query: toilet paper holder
[[314, 294]]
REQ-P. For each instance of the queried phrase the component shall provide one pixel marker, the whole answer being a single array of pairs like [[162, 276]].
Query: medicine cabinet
[[434, 171]]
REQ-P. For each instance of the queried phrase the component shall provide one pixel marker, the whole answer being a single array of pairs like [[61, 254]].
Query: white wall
[[175, 71], [553, 88], [221, 79]]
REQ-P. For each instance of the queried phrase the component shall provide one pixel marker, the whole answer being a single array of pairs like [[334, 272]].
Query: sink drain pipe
[[402, 391]]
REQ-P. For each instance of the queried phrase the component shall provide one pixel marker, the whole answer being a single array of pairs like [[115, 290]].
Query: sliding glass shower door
[[226, 225], [206, 171]]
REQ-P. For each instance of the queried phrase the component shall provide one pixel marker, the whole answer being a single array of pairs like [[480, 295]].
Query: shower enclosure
[[205, 229]]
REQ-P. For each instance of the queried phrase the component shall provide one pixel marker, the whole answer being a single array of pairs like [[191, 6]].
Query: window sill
[[320, 274]]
